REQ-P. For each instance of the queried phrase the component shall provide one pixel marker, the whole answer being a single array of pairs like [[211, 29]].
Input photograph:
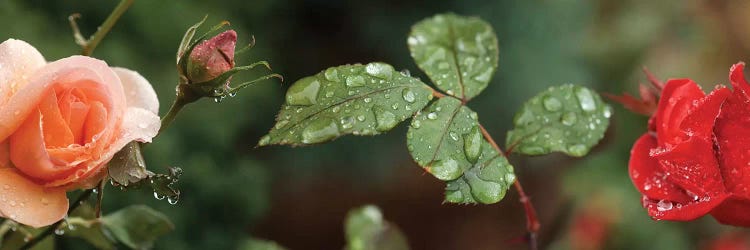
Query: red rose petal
[[647, 175], [733, 136], [733, 211], [675, 103]]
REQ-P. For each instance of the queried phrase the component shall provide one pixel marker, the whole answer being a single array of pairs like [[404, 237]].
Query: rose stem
[[93, 41], [99, 198], [532, 223], [31, 243]]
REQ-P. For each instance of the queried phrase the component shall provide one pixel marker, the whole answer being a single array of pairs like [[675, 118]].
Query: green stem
[[177, 105], [31, 243], [102, 31], [99, 198]]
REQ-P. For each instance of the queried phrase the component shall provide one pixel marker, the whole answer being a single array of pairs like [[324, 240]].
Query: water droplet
[[347, 122], [445, 169], [416, 124], [551, 103], [577, 150], [319, 131], [664, 205], [453, 135], [172, 200], [361, 118], [264, 140], [585, 99], [473, 144], [281, 123], [368, 99], [510, 178], [485, 76], [355, 81], [408, 95], [432, 116], [158, 196], [59, 231], [218, 99], [569, 119], [608, 111], [444, 66], [379, 70], [329, 94], [385, 119], [532, 150], [304, 92], [405, 72], [332, 74]]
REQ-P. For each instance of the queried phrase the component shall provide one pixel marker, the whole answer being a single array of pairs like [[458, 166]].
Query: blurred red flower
[[695, 158]]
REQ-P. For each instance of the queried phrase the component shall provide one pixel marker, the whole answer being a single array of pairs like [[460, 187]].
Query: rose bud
[[206, 65], [212, 57]]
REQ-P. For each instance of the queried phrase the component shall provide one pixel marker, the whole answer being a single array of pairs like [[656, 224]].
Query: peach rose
[[60, 123]]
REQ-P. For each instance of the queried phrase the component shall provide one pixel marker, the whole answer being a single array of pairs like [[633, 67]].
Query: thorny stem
[[93, 41], [532, 223], [31, 243]]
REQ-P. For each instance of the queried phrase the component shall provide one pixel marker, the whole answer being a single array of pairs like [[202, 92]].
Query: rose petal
[[28, 203], [733, 136], [647, 175], [138, 125], [689, 157], [18, 61], [138, 91], [733, 211], [4, 155], [78, 70], [674, 104], [682, 212]]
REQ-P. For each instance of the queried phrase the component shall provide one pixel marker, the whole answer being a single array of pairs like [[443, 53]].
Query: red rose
[[695, 159]]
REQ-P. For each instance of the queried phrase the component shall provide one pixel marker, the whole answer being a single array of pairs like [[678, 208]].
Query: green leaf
[[459, 54], [485, 182], [446, 141], [127, 166], [82, 223], [187, 40], [366, 230], [351, 99], [569, 119], [259, 244], [137, 226]]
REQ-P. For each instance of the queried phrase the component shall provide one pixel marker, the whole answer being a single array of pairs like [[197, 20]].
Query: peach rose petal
[[18, 60], [28, 203], [4, 155], [138, 91]]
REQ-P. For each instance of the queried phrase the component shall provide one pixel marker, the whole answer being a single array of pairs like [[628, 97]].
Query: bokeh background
[[299, 197]]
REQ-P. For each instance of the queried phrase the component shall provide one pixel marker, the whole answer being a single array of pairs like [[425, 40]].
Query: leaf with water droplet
[[449, 145], [351, 99], [569, 119], [485, 182], [137, 226], [367, 230], [459, 54], [127, 166]]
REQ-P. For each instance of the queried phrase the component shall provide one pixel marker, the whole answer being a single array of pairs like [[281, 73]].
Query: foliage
[[459, 54]]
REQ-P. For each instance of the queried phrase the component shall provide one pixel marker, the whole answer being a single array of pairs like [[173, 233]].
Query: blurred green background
[[298, 197]]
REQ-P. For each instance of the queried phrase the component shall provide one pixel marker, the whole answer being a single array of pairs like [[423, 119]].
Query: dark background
[[299, 197]]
